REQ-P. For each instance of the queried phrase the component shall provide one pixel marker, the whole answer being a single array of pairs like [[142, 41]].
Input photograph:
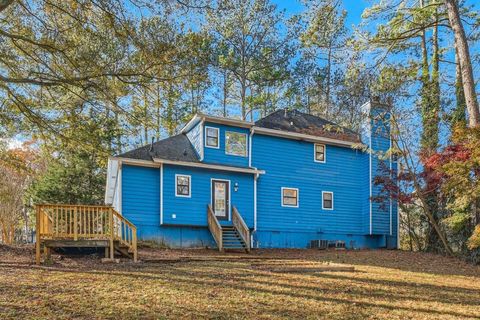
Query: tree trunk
[[225, 93], [419, 190], [243, 94], [145, 115], [4, 4], [459, 114], [158, 124], [329, 79], [461, 44]]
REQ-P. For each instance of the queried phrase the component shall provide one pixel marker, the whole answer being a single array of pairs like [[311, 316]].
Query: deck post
[[75, 224], [47, 252], [134, 242], [110, 217], [37, 235]]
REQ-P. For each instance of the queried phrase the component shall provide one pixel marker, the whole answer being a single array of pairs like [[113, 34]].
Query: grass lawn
[[266, 284]]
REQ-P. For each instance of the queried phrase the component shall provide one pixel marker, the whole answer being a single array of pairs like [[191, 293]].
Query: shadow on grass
[[214, 281], [394, 259]]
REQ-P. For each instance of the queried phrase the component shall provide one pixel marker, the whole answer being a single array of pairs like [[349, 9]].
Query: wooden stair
[[123, 250], [232, 239]]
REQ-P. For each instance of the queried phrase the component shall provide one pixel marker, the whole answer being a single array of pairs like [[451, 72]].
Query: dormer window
[[211, 139], [320, 153]]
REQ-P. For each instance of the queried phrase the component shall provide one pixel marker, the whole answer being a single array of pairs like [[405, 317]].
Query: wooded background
[[84, 80]]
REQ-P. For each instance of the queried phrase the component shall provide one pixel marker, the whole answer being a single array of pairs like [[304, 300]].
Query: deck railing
[[215, 227], [241, 227], [80, 222]]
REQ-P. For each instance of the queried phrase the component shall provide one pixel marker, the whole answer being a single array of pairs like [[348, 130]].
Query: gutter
[[207, 166], [306, 137]]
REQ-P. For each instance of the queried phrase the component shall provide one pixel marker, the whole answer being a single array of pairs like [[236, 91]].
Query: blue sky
[[354, 8]]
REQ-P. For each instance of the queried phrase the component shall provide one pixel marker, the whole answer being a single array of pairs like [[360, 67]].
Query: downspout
[[255, 177], [398, 212], [391, 203], [370, 176], [161, 193]]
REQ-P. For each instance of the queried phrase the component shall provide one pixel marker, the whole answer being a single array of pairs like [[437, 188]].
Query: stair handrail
[[125, 232], [83, 222], [215, 227], [241, 227]]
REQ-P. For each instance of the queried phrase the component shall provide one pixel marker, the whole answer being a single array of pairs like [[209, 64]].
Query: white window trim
[[218, 137], [333, 198], [289, 205], [315, 152], [246, 144], [189, 186]]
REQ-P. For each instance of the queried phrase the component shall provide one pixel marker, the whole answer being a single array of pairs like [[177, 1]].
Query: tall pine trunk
[[461, 44], [459, 114], [430, 106]]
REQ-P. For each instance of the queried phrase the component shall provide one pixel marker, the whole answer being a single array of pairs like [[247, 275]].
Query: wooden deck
[[63, 225]]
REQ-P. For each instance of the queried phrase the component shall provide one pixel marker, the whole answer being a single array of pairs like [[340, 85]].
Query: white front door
[[221, 198]]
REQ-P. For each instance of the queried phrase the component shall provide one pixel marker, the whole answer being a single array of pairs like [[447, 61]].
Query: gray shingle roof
[[299, 122], [177, 148]]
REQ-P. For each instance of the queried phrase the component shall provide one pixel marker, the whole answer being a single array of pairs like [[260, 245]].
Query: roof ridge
[[294, 120]]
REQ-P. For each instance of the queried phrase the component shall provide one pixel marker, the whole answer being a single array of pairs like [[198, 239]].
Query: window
[[211, 139], [236, 143], [327, 200], [289, 197], [320, 153], [183, 186]]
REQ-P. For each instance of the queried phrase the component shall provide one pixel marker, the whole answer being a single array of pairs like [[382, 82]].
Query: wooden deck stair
[[234, 237], [61, 225]]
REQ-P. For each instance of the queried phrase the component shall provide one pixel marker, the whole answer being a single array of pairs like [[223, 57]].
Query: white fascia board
[[137, 162], [220, 120], [190, 124], [230, 122], [159, 161], [305, 137], [111, 180]]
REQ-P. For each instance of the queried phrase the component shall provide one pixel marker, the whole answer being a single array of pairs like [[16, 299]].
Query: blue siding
[[287, 239], [192, 211], [218, 156], [366, 193], [341, 174], [380, 145], [287, 163], [141, 196], [141, 203]]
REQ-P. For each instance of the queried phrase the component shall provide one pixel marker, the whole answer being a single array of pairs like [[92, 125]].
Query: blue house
[[285, 181]]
